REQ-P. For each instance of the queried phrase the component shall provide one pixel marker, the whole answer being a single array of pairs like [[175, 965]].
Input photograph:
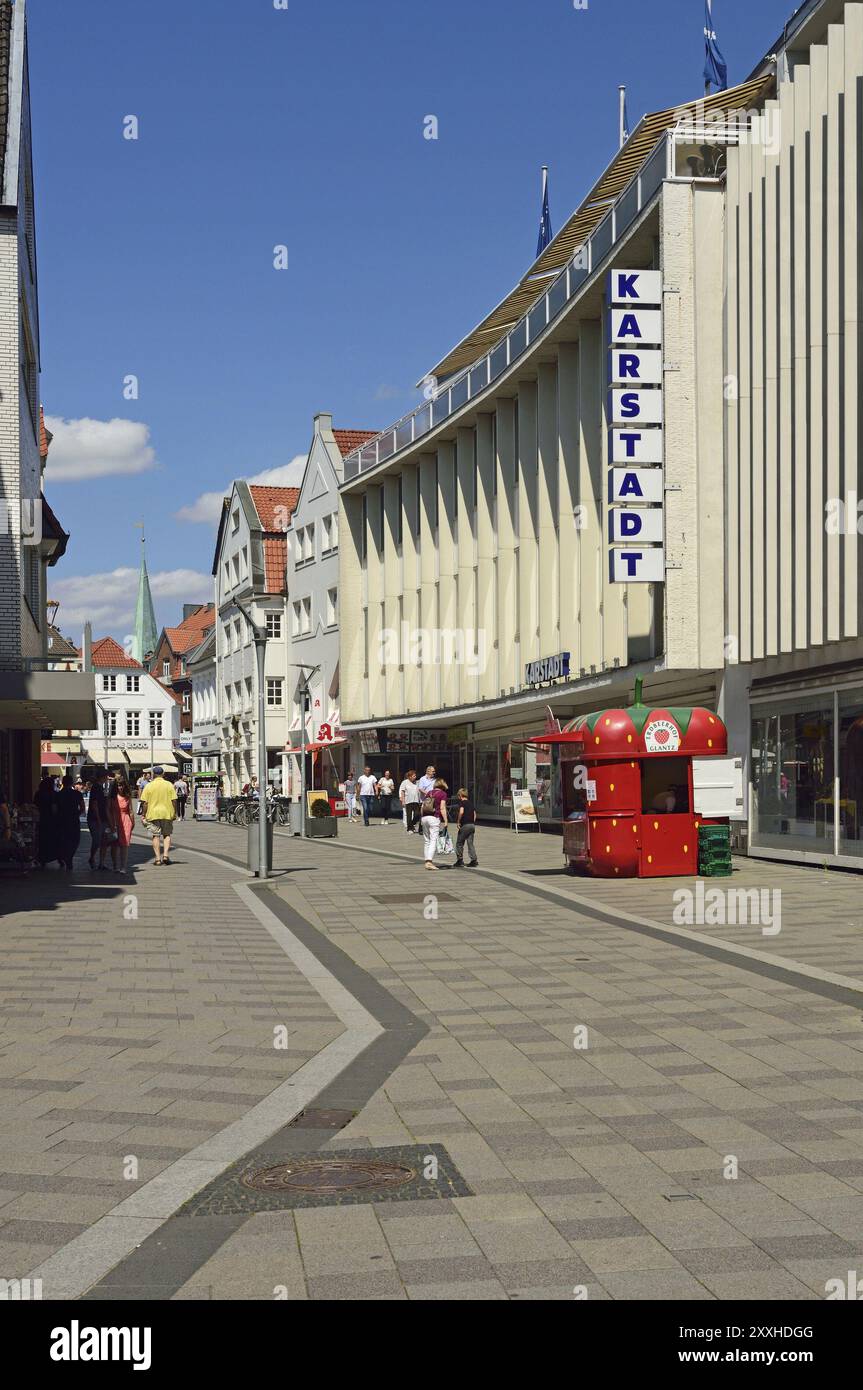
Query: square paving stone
[[277, 1182]]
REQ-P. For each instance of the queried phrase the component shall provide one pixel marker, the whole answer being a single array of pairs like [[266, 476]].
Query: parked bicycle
[[248, 811]]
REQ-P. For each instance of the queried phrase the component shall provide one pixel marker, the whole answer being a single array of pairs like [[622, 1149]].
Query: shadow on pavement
[[44, 890]]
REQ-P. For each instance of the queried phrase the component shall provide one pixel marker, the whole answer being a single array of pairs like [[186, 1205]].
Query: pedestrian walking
[[351, 794], [386, 791], [410, 798], [97, 824], [368, 788], [466, 822], [47, 840], [427, 781], [141, 785], [123, 823], [181, 790], [160, 812], [70, 809], [434, 820]]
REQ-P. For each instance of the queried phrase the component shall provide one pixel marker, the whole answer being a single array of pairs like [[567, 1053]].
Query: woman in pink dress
[[123, 822]]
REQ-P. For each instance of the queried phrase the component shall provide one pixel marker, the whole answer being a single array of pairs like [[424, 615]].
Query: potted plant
[[321, 823]]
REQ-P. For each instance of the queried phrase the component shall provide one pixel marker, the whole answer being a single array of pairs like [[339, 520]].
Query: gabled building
[[34, 699], [313, 608], [201, 667], [174, 646], [138, 717], [250, 564]]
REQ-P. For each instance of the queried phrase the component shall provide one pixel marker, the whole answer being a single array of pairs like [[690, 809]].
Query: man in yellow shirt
[[160, 810]]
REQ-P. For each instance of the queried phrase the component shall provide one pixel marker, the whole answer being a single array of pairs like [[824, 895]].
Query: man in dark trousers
[[466, 822]]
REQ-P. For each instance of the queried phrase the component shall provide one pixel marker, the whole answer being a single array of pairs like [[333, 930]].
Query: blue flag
[[715, 69], [544, 220]]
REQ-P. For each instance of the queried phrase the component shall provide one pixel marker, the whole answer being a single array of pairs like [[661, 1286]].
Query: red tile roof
[[275, 564], [275, 506], [192, 630], [108, 653], [348, 440], [45, 436]]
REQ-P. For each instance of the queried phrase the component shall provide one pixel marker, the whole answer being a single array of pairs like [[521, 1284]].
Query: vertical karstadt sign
[[636, 530]]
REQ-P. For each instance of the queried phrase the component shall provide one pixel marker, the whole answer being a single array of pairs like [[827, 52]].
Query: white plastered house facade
[[138, 719], [201, 665], [250, 565], [313, 613]]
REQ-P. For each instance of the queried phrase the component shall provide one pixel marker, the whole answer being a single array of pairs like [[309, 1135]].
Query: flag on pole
[[545, 216], [715, 69]]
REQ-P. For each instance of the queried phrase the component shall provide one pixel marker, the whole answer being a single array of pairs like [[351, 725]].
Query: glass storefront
[[807, 769], [501, 764]]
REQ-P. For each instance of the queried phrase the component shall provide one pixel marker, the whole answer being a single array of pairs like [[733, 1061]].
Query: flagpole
[[544, 182], [622, 115]]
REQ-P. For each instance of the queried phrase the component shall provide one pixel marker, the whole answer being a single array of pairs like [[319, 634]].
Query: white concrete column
[[489, 685], [393, 684], [375, 607], [447, 559], [410, 586], [466, 620], [507, 617], [353, 684], [591, 486], [548, 559], [528, 548], [429, 620], [569, 500]]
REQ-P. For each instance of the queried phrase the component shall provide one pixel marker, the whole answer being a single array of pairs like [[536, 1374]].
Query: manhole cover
[[331, 1175]]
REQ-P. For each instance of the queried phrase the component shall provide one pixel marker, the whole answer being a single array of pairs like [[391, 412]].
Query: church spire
[[144, 643]]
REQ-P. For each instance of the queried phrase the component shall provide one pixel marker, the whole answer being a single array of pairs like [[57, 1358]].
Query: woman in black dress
[[97, 823], [45, 800], [70, 809]]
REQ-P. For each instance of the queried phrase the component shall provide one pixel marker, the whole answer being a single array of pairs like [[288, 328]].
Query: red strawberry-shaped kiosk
[[627, 783]]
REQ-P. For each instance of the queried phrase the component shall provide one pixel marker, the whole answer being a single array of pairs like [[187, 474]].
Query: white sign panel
[[717, 785], [635, 525], [631, 407], [635, 327], [635, 366], [636, 446], [661, 736], [635, 486], [633, 565], [634, 287]]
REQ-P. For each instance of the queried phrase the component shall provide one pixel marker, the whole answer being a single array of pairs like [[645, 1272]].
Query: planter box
[[321, 827]]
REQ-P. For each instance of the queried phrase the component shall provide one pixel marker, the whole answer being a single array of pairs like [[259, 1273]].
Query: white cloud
[[385, 392], [97, 449], [107, 600], [208, 507]]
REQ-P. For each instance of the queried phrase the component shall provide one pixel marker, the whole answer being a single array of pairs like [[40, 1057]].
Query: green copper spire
[[144, 643]]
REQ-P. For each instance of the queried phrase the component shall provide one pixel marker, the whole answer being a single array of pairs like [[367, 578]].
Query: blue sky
[[303, 127]]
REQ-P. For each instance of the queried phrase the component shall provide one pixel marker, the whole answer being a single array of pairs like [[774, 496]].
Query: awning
[[134, 759], [47, 700], [316, 747], [53, 760]]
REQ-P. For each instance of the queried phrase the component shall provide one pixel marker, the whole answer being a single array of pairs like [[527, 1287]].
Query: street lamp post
[[306, 673], [259, 636]]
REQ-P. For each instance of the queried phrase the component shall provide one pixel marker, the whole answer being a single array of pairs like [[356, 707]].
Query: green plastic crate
[[715, 870]]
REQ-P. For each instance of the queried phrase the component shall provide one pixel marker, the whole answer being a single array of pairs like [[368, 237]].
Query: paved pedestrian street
[[611, 1107]]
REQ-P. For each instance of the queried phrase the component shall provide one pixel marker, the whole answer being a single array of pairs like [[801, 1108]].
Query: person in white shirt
[[386, 791], [409, 796], [368, 789], [427, 781]]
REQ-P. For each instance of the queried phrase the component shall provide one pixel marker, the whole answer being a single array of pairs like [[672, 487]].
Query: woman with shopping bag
[[434, 823]]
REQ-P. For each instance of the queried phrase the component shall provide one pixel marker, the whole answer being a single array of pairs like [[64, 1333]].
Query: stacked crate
[[714, 851]]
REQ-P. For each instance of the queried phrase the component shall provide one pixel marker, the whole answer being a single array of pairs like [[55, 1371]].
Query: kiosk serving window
[[665, 786]]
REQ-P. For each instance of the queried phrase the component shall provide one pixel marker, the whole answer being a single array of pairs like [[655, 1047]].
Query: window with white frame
[[244, 562], [133, 685], [166, 668], [187, 702], [248, 693], [274, 625], [109, 723], [307, 615], [330, 534], [133, 723], [235, 521], [156, 723], [275, 692], [109, 683], [332, 607], [310, 542], [297, 619]]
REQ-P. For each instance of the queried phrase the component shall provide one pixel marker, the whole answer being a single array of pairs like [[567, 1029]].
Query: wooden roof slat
[[588, 215]]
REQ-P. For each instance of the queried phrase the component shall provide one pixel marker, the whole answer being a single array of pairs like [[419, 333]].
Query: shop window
[[851, 772], [792, 775], [665, 787]]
